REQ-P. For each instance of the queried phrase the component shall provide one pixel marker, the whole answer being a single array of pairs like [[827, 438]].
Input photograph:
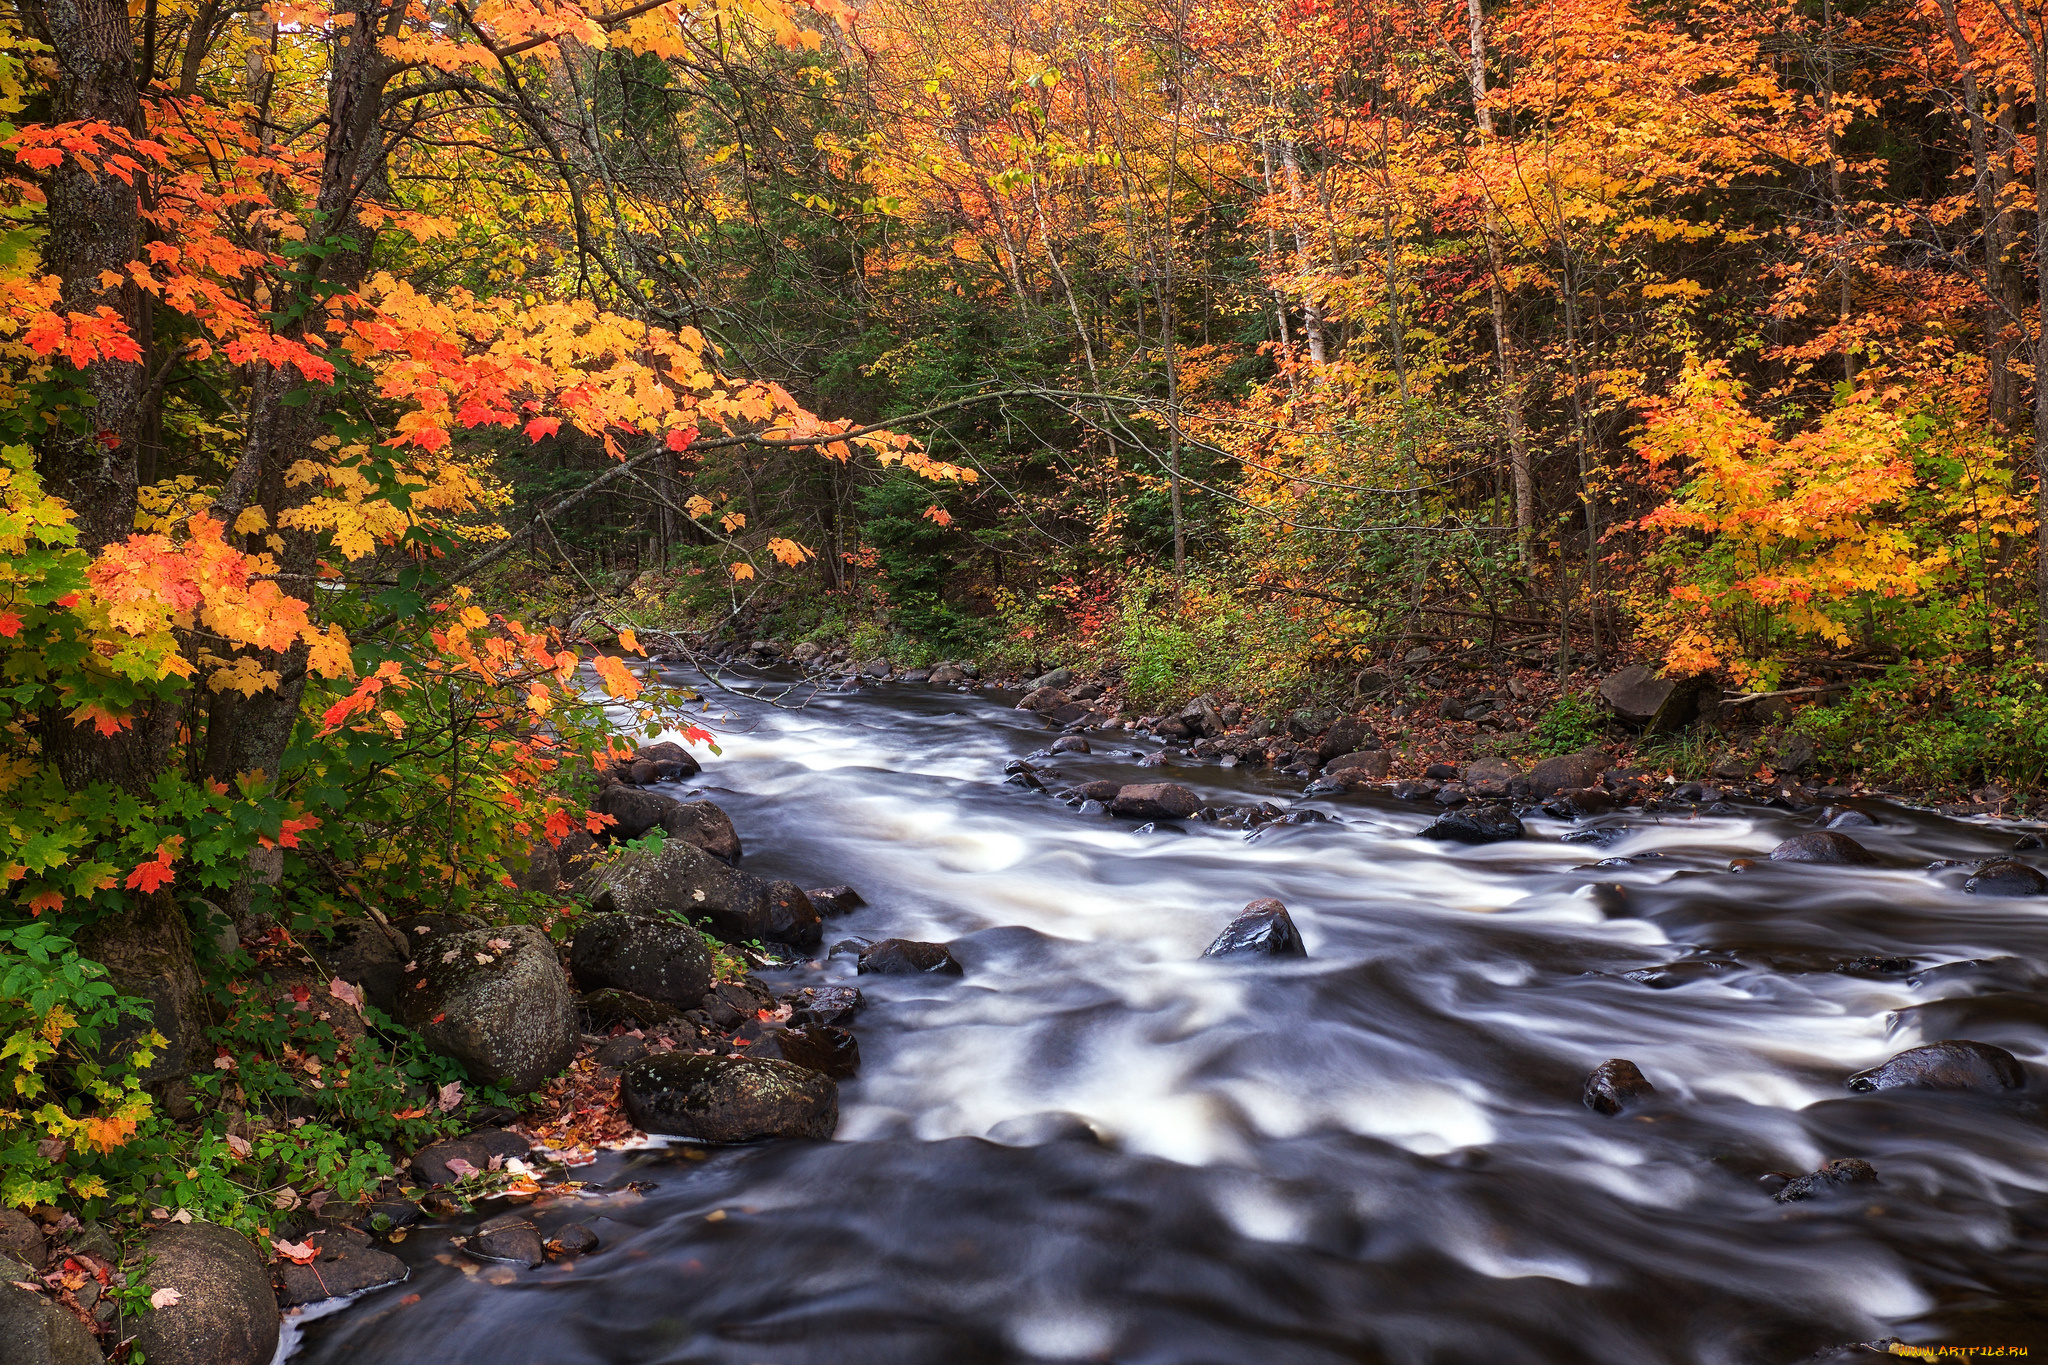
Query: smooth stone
[[1037, 1130], [1951, 1064], [2005, 877], [429, 1164], [835, 900], [1155, 801], [729, 1099], [1070, 744], [821, 1047], [684, 881], [1615, 1085], [346, 1264], [698, 823], [225, 1313], [510, 1238], [1823, 846], [35, 1330], [1262, 929], [1475, 825], [573, 1239], [834, 1005], [908, 957], [1567, 772]]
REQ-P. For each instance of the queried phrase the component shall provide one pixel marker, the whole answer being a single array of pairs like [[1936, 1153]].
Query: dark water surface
[[1378, 1154]]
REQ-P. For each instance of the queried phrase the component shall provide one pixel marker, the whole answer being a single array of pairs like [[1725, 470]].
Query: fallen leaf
[[299, 1253], [164, 1298], [499, 945], [450, 1095], [238, 1145], [460, 1169], [346, 994]]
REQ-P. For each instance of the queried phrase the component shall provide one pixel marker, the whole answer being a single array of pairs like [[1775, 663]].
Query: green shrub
[[1940, 726], [1569, 724]]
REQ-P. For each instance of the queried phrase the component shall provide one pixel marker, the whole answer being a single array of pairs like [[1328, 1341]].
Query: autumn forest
[[388, 386]]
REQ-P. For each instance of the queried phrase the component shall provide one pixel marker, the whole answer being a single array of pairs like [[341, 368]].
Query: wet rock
[[729, 1099], [1615, 1085], [225, 1313], [1567, 772], [1043, 700], [1451, 794], [657, 959], [608, 1008], [821, 1047], [666, 761], [498, 1002], [2005, 877], [1658, 705], [1475, 825], [908, 957], [510, 1238], [430, 1164], [35, 1330], [1058, 678], [876, 667], [1823, 846], [1413, 789], [835, 900], [1845, 817], [1262, 929], [1104, 791], [1843, 1173], [682, 880], [1070, 744], [1092, 808], [1037, 1130], [834, 1005], [849, 947], [573, 1239], [1155, 801], [946, 675], [346, 1264], [1951, 1064], [1576, 805]]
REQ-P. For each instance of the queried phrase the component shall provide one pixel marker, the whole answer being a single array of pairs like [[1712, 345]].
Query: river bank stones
[[223, 1314], [1262, 929], [908, 957], [1155, 801], [497, 1001], [1475, 825], [1951, 1064], [683, 881], [665, 761], [34, 1330], [729, 1099], [1615, 1085], [509, 1238], [656, 959], [698, 823], [1823, 846], [346, 1263], [822, 1048]]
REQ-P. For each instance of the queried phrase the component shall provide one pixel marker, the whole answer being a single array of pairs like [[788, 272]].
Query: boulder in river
[[823, 1048], [345, 1263], [1155, 801], [497, 1001], [1475, 825], [684, 880], [509, 1238], [1070, 744], [1843, 1173], [907, 957], [634, 812], [834, 1005], [221, 1312], [1823, 846], [655, 958], [2005, 877], [665, 761], [34, 1330], [1104, 791], [1951, 1064], [1615, 1085], [729, 1099], [834, 900], [1262, 929]]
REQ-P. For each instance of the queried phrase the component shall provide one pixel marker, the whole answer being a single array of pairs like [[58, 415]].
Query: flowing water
[[1376, 1154]]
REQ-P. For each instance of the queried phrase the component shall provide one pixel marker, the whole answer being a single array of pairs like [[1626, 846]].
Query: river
[[1376, 1154]]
